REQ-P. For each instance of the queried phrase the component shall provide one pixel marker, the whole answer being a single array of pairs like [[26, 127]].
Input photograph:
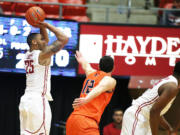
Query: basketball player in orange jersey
[[95, 95], [35, 113]]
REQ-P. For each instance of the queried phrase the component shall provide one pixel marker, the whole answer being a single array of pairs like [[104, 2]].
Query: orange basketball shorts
[[81, 125]]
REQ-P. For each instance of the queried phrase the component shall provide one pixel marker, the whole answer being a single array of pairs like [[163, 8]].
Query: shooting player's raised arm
[[57, 45]]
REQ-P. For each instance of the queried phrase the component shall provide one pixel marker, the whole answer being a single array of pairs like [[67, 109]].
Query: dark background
[[63, 89]]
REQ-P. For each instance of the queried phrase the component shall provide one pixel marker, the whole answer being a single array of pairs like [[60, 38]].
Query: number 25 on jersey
[[29, 66]]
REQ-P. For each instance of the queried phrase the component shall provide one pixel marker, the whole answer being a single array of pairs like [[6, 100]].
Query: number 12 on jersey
[[89, 85]]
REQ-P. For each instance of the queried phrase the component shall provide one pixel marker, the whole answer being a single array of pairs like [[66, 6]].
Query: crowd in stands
[[114, 128], [169, 17]]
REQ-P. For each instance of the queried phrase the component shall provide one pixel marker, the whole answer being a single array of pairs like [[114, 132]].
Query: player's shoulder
[[109, 80], [31, 54], [171, 85], [34, 52], [169, 82], [108, 125], [90, 72]]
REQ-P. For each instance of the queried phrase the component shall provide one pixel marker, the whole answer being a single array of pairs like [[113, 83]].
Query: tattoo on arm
[[56, 46], [51, 50]]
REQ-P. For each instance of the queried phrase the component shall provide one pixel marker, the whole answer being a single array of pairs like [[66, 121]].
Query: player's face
[[117, 117], [40, 41], [177, 4]]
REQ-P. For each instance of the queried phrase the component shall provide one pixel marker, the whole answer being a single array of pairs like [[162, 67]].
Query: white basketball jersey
[[37, 76], [147, 100]]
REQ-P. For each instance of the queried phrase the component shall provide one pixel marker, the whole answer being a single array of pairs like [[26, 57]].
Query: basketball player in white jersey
[[35, 113], [146, 113]]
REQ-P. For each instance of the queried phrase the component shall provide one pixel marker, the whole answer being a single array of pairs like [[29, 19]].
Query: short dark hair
[[106, 64], [30, 37], [117, 109], [177, 69], [177, 1]]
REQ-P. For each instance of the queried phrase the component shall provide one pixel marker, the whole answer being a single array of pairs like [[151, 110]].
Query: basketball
[[34, 15]]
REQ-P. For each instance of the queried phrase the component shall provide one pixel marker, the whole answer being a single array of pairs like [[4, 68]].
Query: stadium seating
[[73, 1], [73, 10], [164, 2], [168, 5], [52, 11], [77, 18], [21, 8], [75, 13], [7, 7]]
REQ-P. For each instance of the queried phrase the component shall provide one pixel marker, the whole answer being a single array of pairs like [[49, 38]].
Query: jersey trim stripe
[[44, 115], [43, 123], [45, 81], [43, 101], [138, 111]]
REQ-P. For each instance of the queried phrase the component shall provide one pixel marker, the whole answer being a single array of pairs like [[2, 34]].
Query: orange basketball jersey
[[95, 107]]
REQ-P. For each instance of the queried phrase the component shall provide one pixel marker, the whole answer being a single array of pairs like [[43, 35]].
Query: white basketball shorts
[[35, 115], [134, 123]]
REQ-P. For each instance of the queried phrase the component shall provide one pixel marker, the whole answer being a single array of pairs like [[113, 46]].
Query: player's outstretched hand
[[172, 132], [79, 57], [42, 24], [79, 102]]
